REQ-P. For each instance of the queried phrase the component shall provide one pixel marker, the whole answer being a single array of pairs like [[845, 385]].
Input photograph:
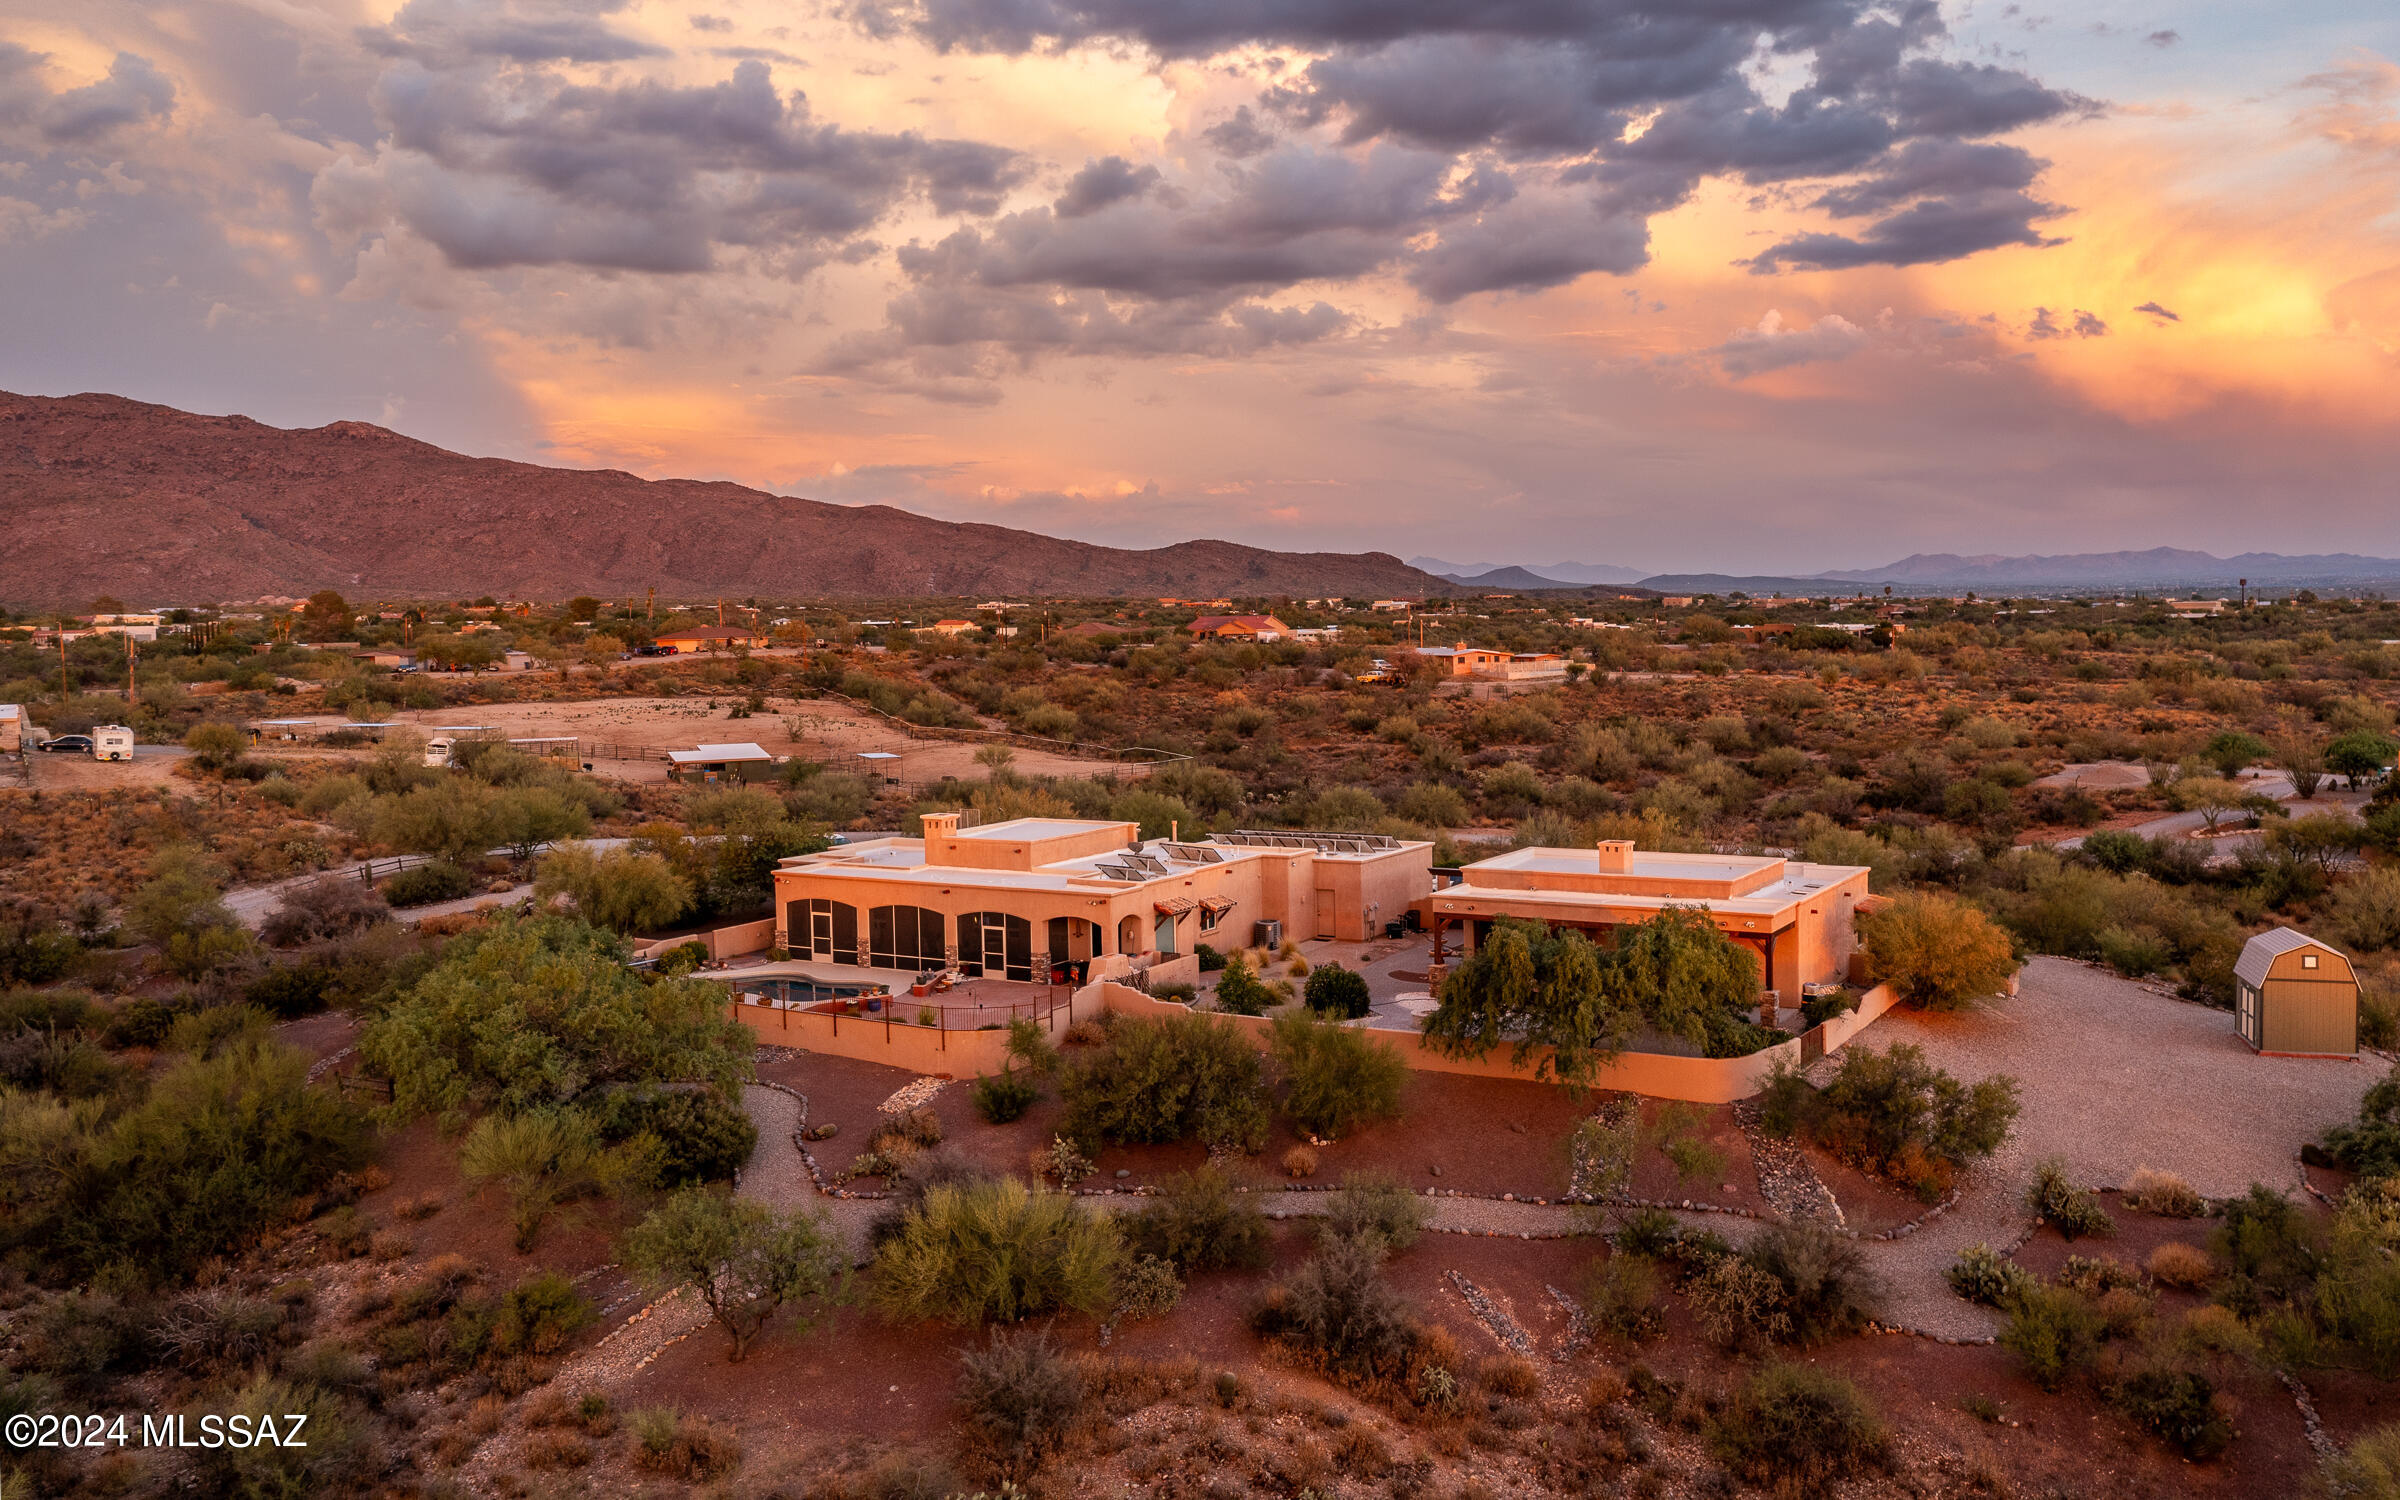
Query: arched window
[[905, 937], [995, 943], [822, 929]]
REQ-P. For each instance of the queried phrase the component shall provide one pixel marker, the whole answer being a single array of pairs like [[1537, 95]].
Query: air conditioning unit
[[1266, 934]]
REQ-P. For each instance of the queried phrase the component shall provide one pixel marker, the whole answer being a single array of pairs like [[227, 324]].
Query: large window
[[822, 929], [905, 937], [994, 943]]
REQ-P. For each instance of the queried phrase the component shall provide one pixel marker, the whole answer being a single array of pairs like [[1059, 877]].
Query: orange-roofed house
[[1239, 628], [711, 638]]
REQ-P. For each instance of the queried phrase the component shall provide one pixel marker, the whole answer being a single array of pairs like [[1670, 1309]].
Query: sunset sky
[[1746, 285]]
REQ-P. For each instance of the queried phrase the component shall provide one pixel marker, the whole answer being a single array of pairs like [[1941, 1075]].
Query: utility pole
[[133, 693], [720, 609]]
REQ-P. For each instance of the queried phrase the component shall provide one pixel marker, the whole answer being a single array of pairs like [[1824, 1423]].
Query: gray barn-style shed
[[2296, 997]]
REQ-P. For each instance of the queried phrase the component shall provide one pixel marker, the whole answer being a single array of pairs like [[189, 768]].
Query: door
[[1164, 928], [1324, 912], [820, 932], [2249, 1015]]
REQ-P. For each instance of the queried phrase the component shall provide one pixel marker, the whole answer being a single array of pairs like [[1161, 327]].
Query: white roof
[[11, 711], [743, 751], [2259, 954]]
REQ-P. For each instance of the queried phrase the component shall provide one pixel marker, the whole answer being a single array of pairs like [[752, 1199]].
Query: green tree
[[623, 890], [451, 818], [744, 1259], [1337, 992], [542, 1159], [2358, 756], [583, 609], [2305, 764], [1548, 996], [181, 910], [215, 745], [326, 617], [1690, 980], [537, 1011], [1936, 950], [2233, 750], [993, 1250], [1171, 1078], [1240, 992], [524, 818], [1335, 1077]]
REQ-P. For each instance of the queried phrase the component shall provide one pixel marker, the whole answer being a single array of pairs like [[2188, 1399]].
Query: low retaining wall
[[963, 1054], [723, 942]]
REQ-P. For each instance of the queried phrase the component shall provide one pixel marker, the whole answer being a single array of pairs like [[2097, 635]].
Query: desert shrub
[[1621, 1297], [1005, 1096], [2180, 1406], [2074, 1212], [1372, 1204], [1197, 1222], [680, 1447], [2186, 1268], [993, 1251], [1169, 1078], [288, 991], [1334, 1077], [1828, 1289], [1936, 950], [535, 1011], [1799, 1427], [1984, 1276], [1300, 1161], [539, 1314], [1816, 1011], [2371, 1147], [1148, 1288], [1240, 991], [2055, 1334], [1338, 1313], [2369, 1469], [1895, 1114], [324, 909], [545, 1159], [2163, 1194], [2098, 1275], [2266, 1243], [702, 1136], [746, 1261], [340, 1456], [1738, 1304], [422, 885], [218, 1148], [1337, 992], [1019, 1398]]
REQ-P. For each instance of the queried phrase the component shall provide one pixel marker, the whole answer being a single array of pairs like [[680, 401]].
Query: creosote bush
[[1019, 1399], [1377, 1207], [1338, 1313], [1936, 950], [1197, 1222], [992, 1250], [1168, 1078], [1895, 1114], [1799, 1427], [1335, 1077]]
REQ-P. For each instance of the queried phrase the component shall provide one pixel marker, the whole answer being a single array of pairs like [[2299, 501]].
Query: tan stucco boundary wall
[[964, 1054], [723, 942], [1701, 1080]]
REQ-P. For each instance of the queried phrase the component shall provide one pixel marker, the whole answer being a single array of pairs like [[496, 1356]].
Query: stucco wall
[[896, 1043]]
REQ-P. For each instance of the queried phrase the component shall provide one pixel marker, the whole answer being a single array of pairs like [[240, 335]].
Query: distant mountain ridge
[[103, 495], [1551, 574], [2156, 568]]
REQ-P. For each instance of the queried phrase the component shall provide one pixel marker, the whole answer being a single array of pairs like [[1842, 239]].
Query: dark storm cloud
[[522, 31], [1110, 179], [1934, 167], [133, 92], [505, 170], [1240, 136], [1927, 231]]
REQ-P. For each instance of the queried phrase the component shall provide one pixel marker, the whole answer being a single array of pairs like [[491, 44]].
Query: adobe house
[[1796, 917], [1239, 628], [711, 638], [2295, 997], [1027, 898]]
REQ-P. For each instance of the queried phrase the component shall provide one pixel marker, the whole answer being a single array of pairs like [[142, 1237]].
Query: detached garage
[[2295, 997]]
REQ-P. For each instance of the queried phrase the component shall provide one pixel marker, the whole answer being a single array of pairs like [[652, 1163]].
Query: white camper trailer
[[112, 742]]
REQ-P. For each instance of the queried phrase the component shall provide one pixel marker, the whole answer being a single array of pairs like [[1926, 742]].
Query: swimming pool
[[800, 991]]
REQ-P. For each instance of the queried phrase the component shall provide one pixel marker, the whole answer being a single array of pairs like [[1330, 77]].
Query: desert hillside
[[99, 494]]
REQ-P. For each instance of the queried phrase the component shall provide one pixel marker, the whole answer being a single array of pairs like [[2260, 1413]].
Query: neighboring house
[[2295, 997], [951, 627], [1795, 916], [2196, 609], [711, 638], [1463, 660], [1199, 604], [1089, 628], [1393, 606], [1317, 634], [1031, 898], [12, 729], [738, 762], [386, 656], [1239, 628]]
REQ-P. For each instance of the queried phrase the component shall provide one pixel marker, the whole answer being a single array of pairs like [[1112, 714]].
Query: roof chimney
[[1616, 856], [938, 829]]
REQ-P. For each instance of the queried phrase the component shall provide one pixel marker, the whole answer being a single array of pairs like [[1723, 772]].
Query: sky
[[1738, 285]]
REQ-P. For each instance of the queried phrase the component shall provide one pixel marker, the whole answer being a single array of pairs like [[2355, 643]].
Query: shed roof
[[2259, 954], [709, 754]]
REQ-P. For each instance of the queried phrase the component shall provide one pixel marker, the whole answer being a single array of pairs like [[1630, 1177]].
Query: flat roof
[[1042, 828], [1645, 865], [742, 751]]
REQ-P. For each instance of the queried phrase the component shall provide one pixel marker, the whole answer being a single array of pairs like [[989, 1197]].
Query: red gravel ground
[[2137, 1235], [1486, 1135], [1870, 1205]]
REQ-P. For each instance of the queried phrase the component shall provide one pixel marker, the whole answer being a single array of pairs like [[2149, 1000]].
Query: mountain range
[[103, 495], [1950, 573], [1535, 575]]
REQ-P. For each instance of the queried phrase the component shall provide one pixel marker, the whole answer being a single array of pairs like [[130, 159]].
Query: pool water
[[798, 992]]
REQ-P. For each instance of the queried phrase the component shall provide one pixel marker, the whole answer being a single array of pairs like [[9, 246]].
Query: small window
[[2308, 960]]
